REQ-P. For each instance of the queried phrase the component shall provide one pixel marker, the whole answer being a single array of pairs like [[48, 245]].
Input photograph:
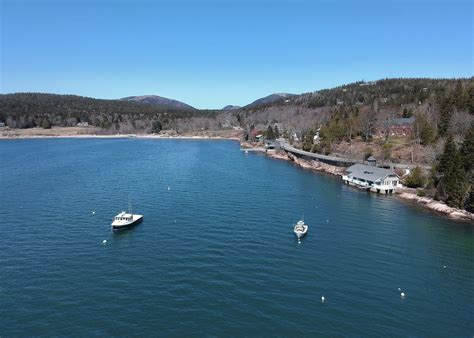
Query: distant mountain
[[159, 101], [269, 99], [230, 107]]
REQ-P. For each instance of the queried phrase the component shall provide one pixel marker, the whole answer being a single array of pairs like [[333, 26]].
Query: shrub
[[416, 178], [387, 151], [368, 152], [420, 193]]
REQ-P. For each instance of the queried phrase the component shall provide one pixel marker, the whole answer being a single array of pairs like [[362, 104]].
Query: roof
[[371, 158], [403, 120], [369, 173]]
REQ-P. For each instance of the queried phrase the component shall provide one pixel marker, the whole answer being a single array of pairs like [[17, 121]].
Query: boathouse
[[371, 178]]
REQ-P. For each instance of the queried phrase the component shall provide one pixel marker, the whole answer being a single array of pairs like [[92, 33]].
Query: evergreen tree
[[276, 132], [455, 180], [467, 150], [453, 185], [270, 134], [156, 128], [416, 179], [45, 124]]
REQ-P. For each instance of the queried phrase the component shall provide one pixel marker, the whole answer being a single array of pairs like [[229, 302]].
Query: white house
[[371, 178]]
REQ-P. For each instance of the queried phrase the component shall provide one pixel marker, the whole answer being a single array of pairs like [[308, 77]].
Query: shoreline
[[62, 133], [407, 194], [116, 136]]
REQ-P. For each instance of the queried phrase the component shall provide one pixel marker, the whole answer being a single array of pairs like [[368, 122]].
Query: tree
[[453, 184], [424, 130], [467, 149], [387, 151], [456, 184], [157, 127], [415, 179], [276, 132], [270, 135], [367, 122], [308, 139], [45, 124]]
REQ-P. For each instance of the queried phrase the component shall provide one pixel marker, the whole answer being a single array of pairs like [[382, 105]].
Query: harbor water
[[216, 254]]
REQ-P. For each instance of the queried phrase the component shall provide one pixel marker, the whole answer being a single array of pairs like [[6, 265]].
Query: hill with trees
[[27, 110]]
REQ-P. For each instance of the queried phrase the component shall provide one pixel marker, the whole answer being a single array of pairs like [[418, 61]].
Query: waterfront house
[[371, 178], [2, 124]]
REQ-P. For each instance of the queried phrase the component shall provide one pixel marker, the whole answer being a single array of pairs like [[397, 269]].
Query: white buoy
[[169, 188], [399, 289], [93, 212], [322, 299], [444, 266], [402, 294], [104, 241]]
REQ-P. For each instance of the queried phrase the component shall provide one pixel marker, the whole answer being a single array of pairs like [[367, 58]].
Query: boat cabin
[[123, 216]]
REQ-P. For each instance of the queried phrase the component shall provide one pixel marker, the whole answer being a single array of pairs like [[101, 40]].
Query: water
[[215, 255]]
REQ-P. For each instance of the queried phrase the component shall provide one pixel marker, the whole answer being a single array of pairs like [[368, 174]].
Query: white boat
[[125, 220], [300, 229]]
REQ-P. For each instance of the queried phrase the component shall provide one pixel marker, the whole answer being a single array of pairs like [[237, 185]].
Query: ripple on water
[[215, 254]]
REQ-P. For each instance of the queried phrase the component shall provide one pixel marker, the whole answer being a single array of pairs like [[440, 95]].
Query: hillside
[[273, 98], [27, 110], [159, 101], [376, 101]]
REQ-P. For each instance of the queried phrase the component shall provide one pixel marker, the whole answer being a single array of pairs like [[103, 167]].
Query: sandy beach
[[93, 132]]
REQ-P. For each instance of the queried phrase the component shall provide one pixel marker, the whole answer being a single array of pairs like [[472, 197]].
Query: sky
[[214, 53]]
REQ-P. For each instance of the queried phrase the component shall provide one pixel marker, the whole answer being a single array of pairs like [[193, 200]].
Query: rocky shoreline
[[401, 192]]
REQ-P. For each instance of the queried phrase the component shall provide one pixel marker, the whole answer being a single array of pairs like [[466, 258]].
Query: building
[[402, 126], [83, 124], [317, 137], [371, 178], [2, 124], [259, 138]]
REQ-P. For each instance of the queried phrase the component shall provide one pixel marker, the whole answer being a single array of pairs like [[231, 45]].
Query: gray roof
[[403, 120], [369, 173]]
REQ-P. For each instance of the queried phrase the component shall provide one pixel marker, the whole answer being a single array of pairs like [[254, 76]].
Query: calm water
[[215, 255]]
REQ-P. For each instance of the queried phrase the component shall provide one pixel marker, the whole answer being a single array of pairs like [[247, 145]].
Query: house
[[259, 138], [371, 178], [2, 124], [402, 126], [83, 124], [317, 138], [296, 136]]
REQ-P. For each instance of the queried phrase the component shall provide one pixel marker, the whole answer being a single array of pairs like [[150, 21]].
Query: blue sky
[[213, 53]]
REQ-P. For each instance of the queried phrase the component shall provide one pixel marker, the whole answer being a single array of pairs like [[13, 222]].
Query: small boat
[[246, 151], [300, 229], [126, 220]]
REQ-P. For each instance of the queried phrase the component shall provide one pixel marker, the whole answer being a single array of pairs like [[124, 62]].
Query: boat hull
[[136, 220]]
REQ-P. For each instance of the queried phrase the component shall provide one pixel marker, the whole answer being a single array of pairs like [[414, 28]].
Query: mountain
[[231, 107], [269, 99], [159, 101]]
